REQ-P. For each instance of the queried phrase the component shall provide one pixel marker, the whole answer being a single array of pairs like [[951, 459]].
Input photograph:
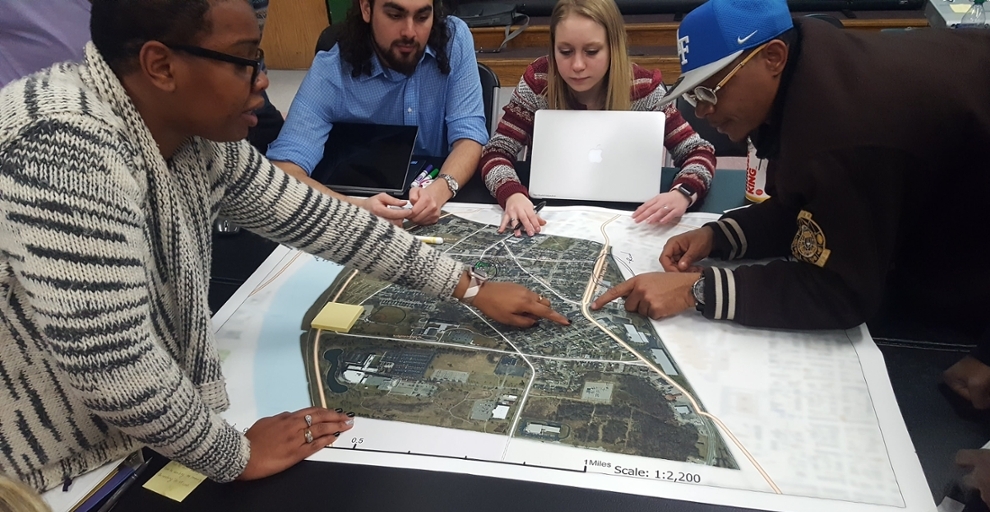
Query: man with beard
[[396, 62]]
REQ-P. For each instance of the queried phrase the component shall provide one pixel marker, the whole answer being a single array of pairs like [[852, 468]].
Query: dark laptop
[[367, 159]]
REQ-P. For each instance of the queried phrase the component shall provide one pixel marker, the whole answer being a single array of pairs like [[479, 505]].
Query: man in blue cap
[[877, 168]]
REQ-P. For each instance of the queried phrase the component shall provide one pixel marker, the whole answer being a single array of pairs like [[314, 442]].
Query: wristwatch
[[698, 290], [688, 192], [451, 184], [478, 279]]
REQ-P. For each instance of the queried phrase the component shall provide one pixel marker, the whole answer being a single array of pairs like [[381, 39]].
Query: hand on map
[[970, 378], [519, 215], [515, 305], [978, 462], [665, 208], [654, 294], [379, 205], [682, 251], [279, 442], [427, 202]]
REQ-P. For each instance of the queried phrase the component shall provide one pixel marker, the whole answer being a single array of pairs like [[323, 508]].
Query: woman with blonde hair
[[589, 68], [17, 497]]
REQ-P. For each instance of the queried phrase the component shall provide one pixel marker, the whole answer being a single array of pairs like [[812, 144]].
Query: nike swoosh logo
[[741, 40]]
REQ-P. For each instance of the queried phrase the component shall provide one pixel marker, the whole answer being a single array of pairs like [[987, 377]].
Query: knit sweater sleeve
[[263, 199], [514, 132], [694, 156], [74, 232]]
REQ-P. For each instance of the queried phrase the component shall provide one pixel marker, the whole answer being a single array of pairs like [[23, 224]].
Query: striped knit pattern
[[692, 154], [105, 334]]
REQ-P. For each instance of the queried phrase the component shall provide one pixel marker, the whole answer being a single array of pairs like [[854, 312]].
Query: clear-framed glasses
[[705, 95], [254, 64]]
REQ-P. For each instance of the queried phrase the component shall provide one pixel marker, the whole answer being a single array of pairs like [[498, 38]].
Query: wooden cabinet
[[291, 32]]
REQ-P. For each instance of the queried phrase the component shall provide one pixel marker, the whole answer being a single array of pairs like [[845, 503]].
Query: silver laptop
[[597, 155]]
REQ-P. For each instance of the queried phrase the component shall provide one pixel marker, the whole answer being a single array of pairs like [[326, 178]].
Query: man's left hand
[[427, 202], [978, 462], [654, 294], [971, 379]]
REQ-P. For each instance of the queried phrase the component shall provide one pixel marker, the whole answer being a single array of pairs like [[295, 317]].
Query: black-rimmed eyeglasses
[[206, 53], [709, 96]]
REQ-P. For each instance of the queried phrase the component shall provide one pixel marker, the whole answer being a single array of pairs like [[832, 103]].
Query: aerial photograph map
[[605, 383]]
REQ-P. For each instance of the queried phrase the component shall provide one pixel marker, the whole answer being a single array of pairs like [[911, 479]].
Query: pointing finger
[[620, 290], [544, 311]]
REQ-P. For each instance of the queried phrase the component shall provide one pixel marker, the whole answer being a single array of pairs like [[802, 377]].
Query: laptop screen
[[367, 158]]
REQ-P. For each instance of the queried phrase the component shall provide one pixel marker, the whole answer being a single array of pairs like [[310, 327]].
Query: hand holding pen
[[520, 215]]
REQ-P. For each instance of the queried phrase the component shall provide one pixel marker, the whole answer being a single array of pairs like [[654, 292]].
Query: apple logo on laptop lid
[[595, 155]]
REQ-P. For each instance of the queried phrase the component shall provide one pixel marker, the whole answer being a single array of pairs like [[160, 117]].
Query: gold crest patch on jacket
[[809, 242]]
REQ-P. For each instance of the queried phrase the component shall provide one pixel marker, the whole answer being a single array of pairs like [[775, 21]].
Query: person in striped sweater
[[111, 171], [590, 69]]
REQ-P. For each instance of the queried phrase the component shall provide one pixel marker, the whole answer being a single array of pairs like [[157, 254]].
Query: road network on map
[[606, 382]]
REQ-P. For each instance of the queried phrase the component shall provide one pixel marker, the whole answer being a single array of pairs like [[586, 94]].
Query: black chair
[[723, 145], [489, 83], [328, 37]]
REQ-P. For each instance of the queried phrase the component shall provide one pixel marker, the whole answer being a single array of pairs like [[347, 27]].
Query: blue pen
[[422, 176], [127, 483]]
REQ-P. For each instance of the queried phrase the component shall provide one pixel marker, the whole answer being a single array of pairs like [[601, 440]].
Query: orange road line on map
[[344, 286], [316, 364], [586, 300], [274, 277], [599, 266]]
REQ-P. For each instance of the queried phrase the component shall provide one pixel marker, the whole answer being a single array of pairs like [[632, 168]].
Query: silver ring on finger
[[665, 207], [309, 436], [309, 420]]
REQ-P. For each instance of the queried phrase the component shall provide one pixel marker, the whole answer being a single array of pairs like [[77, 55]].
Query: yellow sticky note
[[337, 317], [960, 8], [174, 481]]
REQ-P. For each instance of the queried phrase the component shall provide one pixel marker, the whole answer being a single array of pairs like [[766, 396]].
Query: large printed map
[[605, 382], [684, 408]]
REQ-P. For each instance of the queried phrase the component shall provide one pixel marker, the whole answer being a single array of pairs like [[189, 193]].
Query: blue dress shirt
[[428, 99]]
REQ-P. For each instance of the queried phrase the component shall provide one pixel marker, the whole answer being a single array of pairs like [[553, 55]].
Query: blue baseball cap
[[718, 31]]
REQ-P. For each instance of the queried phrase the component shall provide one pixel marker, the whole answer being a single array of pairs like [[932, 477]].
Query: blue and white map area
[[808, 420], [261, 337]]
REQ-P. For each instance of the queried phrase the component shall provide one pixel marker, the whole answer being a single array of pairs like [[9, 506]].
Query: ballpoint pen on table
[[536, 209], [128, 482]]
